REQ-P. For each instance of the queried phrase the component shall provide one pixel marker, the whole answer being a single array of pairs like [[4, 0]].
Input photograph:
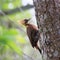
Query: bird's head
[[24, 22]]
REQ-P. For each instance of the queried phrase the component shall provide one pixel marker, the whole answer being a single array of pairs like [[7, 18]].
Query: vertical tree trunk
[[48, 19]]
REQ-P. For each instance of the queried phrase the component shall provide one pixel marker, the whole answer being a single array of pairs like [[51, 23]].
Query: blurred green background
[[14, 43]]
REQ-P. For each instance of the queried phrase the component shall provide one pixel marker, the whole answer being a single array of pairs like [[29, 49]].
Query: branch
[[18, 9]]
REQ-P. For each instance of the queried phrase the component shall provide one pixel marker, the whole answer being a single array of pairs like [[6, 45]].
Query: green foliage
[[11, 39], [9, 4], [21, 39], [10, 32], [7, 39]]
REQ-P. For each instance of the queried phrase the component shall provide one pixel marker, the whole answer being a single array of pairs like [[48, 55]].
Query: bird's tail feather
[[38, 49]]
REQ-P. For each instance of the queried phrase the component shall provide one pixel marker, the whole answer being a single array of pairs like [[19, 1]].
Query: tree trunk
[[48, 20]]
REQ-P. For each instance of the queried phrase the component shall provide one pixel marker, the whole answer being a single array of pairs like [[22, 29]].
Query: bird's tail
[[38, 49]]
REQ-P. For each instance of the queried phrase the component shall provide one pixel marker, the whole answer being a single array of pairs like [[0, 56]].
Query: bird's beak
[[22, 22]]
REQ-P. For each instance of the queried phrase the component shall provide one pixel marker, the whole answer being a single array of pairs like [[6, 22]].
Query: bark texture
[[48, 19]]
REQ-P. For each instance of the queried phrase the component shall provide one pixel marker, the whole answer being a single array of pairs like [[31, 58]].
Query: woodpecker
[[32, 33]]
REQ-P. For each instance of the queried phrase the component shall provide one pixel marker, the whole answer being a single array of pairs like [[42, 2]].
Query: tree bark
[[48, 20]]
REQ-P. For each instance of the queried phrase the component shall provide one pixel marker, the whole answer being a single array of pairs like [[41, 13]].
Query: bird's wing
[[33, 35], [29, 30]]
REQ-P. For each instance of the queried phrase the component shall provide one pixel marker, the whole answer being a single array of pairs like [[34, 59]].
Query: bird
[[32, 33]]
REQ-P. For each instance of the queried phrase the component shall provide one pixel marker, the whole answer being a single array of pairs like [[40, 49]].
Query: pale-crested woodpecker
[[32, 32]]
